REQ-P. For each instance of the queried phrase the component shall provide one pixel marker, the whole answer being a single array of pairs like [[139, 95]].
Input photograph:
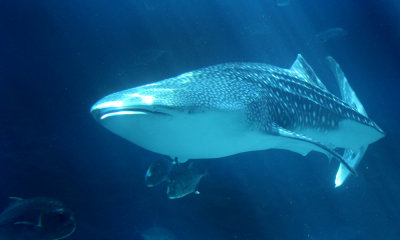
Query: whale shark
[[233, 108]]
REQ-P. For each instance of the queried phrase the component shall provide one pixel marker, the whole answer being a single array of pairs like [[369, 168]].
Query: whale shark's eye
[[147, 99]]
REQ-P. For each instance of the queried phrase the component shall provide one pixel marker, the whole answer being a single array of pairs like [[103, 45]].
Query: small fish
[[184, 182], [331, 33], [157, 233], [282, 3], [157, 173], [36, 218], [149, 57]]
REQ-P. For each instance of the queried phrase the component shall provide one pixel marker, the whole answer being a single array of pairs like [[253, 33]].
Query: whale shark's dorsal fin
[[301, 67], [351, 156]]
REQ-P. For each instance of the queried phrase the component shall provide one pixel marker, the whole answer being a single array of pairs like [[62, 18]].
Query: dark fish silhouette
[[331, 33], [157, 233], [157, 173], [36, 219], [149, 57], [184, 182], [282, 3]]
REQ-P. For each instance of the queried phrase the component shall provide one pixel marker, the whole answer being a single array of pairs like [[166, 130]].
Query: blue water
[[58, 57]]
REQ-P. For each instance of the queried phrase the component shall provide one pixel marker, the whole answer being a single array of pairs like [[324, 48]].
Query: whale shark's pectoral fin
[[353, 158], [315, 146]]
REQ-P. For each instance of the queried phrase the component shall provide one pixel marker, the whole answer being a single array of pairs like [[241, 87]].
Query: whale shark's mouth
[[102, 114]]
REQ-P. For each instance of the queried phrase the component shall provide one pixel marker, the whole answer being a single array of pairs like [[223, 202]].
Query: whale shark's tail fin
[[351, 156]]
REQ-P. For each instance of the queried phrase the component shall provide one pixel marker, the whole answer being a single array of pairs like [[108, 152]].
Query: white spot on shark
[[145, 99], [111, 104]]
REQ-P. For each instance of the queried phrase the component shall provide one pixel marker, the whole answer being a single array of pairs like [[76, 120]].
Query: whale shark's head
[[144, 115], [142, 101], [177, 116]]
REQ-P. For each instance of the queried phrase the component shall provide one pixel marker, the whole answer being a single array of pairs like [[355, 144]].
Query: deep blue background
[[58, 57]]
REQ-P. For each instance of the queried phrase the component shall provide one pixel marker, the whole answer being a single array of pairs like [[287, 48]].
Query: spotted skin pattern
[[270, 94], [290, 103]]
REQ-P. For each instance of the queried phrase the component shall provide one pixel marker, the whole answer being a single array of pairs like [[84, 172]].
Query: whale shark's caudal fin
[[351, 156]]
